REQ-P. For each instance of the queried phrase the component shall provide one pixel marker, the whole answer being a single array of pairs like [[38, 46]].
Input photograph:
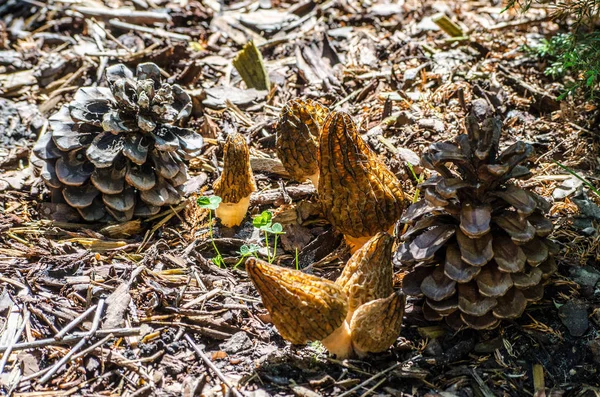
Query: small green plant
[[418, 179], [264, 223], [246, 251], [575, 55], [318, 347], [211, 203], [576, 52]]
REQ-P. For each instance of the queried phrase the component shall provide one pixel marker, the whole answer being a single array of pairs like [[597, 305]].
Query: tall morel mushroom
[[236, 183], [360, 195], [297, 142], [477, 247], [120, 149], [358, 314]]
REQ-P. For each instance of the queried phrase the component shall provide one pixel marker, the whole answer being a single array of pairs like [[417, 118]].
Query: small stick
[[79, 345], [75, 357], [268, 197], [13, 342], [202, 298], [74, 323], [209, 364], [373, 388], [76, 336], [125, 14], [514, 24], [372, 378], [155, 32]]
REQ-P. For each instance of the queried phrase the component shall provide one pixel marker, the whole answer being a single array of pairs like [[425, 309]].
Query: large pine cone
[[477, 247], [120, 149]]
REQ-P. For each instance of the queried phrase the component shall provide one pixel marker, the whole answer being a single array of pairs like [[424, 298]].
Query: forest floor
[[160, 318]]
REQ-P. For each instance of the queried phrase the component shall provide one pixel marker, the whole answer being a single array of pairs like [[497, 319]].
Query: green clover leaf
[[209, 202], [263, 220], [277, 228]]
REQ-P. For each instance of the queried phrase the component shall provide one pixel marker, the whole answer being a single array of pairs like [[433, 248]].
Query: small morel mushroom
[[477, 247], [360, 195], [120, 149], [236, 183], [368, 274], [375, 326], [304, 308], [298, 133]]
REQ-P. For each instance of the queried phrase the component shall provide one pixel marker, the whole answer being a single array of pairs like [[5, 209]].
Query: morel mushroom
[[368, 274], [119, 150], [304, 308], [375, 326], [236, 183], [360, 195], [298, 133], [477, 247]]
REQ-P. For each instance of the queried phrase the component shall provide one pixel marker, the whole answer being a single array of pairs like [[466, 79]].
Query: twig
[[211, 333], [201, 298], [75, 357], [14, 340], [74, 323], [93, 346], [209, 364], [371, 379], [485, 390], [125, 14], [371, 390], [75, 349], [514, 24], [119, 360], [347, 98], [153, 31], [268, 197], [68, 340]]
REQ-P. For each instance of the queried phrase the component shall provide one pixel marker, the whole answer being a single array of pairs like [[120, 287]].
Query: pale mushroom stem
[[232, 214], [339, 342], [355, 243], [314, 178]]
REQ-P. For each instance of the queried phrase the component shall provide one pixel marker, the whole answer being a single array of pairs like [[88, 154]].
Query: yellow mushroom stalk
[[360, 195], [236, 183]]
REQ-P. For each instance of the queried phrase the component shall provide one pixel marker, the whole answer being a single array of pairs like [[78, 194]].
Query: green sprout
[[246, 251], [264, 223], [212, 203]]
